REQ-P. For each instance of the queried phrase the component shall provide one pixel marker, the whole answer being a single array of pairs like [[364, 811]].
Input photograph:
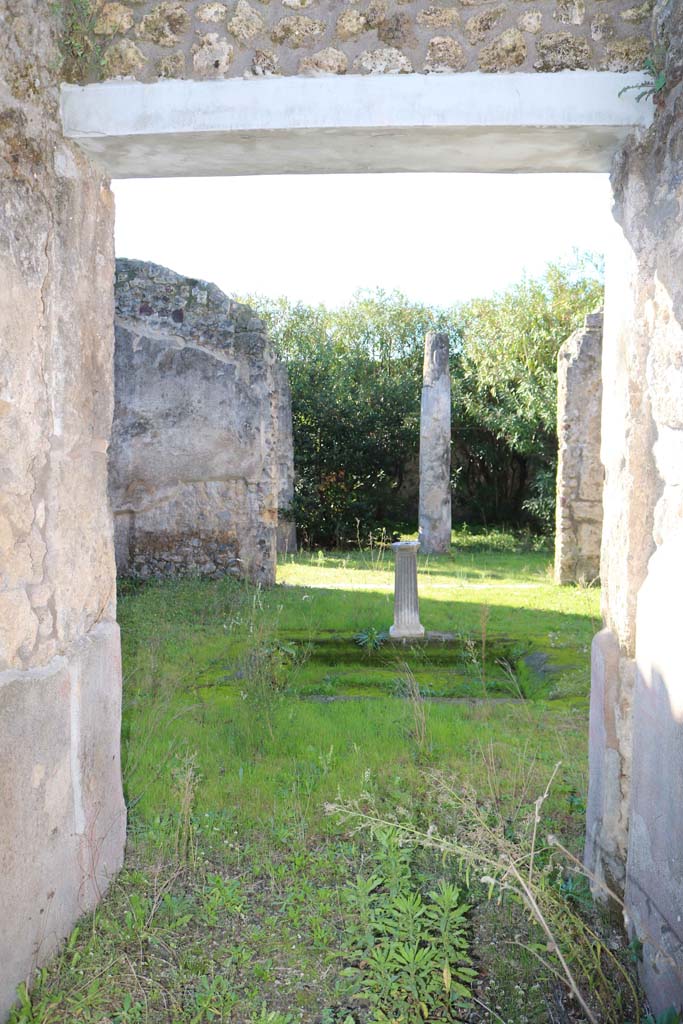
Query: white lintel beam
[[473, 122]]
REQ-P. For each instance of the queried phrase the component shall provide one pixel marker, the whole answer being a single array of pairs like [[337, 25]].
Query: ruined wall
[[63, 822], [635, 829], [580, 474], [197, 462], [214, 39]]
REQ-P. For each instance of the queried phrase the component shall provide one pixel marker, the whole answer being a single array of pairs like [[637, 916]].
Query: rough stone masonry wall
[[635, 826], [63, 817], [198, 456], [214, 39], [579, 469]]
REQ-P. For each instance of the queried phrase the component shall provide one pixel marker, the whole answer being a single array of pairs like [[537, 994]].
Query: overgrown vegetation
[[81, 53], [308, 846], [409, 950], [356, 377]]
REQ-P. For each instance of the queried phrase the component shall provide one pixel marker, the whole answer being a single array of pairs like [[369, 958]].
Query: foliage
[[655, 82], [371, 639], [356, 379], [542, 879], [80, 52], [409, 951], [354, 375], [670, 1016], [507, 384]]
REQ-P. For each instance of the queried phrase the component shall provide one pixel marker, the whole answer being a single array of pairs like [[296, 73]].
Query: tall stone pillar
[[286, 528], [580, 473], [435, 448], [63, 816], [406, 607]]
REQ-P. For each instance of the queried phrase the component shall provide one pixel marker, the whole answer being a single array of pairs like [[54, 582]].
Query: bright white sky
[[438, 238]]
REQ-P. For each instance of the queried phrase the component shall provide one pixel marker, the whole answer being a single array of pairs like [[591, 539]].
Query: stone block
[[64, 819], [654, 877], [609, 763]]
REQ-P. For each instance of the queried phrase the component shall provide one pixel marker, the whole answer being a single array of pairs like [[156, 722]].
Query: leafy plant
[[408, 951], [655, 83], [212, 998], [130, 1012], [522, 872], [273, 1017], [221, 894], [670, 1016], [371, 639]]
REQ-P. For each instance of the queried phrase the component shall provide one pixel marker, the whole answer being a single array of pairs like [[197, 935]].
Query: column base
[[407, 632]]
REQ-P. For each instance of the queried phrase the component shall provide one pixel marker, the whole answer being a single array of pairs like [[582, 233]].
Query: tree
[[355, 375], [508, 385], [356, 379]]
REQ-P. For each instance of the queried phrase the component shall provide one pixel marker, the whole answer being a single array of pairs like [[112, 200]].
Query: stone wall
[[198, 458], [213, 39], [579, 469], [635, 829], [63, 824]]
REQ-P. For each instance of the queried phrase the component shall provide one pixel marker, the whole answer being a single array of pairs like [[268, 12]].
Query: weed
[[130, 1012], [371, 639], [655, 82], [513, 867], [273, 1017], [408, 952], [419, 732], [221, 895], [186, 779], [81, 54], [213, 998]]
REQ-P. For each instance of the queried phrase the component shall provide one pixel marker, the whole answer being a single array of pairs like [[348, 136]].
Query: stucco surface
[[64, 819], [56, 310], [654, 880], [643, 533], [63, 824]]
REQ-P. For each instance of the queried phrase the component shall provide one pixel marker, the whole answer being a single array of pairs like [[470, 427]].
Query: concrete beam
[[474, 122]]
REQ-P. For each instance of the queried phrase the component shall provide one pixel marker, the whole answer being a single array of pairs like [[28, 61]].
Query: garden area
[[328, 827]]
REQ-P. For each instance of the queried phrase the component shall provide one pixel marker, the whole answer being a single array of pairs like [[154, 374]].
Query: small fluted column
[[406, 610], [435, 448]]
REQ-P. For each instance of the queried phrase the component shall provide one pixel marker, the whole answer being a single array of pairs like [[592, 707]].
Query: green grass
[[235, 739]]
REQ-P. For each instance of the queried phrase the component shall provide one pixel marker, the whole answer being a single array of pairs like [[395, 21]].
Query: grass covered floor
[[249, 716]]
